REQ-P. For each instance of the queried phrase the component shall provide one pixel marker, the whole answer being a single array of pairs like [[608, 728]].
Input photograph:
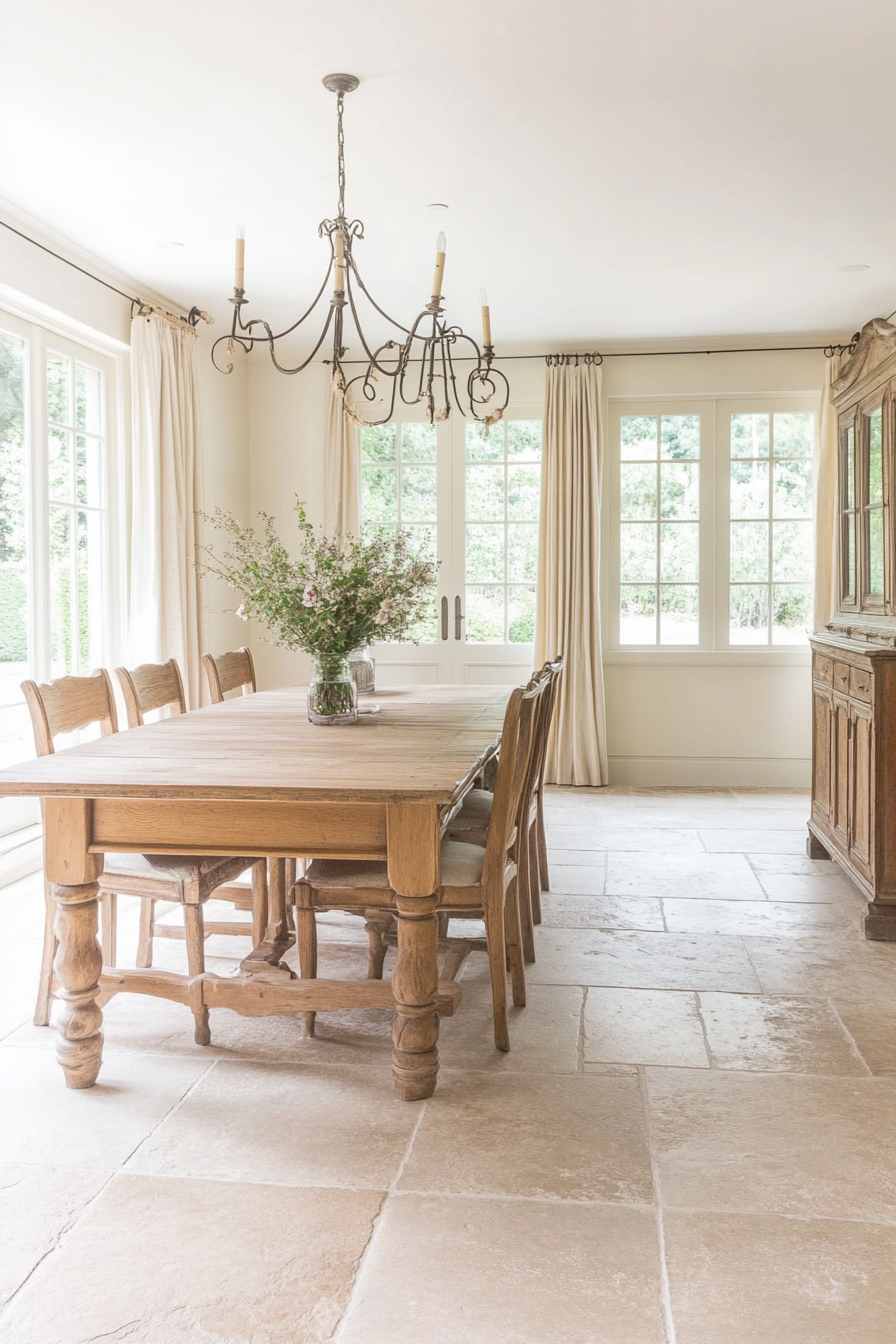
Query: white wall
[[673, 718]]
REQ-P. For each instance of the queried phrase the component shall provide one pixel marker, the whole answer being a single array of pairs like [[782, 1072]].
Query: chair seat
[[475, 813], [178, 870], [461, 866]]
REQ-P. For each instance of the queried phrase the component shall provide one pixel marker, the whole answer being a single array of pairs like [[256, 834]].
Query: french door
[[472, 496]]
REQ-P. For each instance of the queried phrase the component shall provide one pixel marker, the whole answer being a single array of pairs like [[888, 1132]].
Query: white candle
[[339, 248], [440, 267], [486, 318], [239, 258]]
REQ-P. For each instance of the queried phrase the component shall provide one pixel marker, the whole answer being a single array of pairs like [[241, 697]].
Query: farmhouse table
[[252, 776]]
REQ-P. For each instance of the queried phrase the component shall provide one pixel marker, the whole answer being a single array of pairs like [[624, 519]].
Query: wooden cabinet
[[854, 662], [854, 769]]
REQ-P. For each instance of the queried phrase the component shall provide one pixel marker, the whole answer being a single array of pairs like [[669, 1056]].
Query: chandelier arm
[[362, 378], [307, 313], [449, 362], [372, 301], [299, 367], [229, 338]]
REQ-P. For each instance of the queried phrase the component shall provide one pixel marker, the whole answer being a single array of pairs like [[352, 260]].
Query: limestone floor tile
[[750, 917], [514, 1134], [775, 1143], [461, 1271], [19, 973], [772, 797], [790, 841], [745, 1279], [642, 960], [582, 879], [843, 966], [592, 858], [544, 1036], [158, 1261], [37, 1205], [777, 1034], [43, 1120], [715, 876], [644, 1026], [630, 838], [601, 912], [873, 1028], [799, 864], [753, 819], [291, 1124], [832, 886]]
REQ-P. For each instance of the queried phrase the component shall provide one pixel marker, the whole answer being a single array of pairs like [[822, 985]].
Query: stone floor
[[692, 1141]]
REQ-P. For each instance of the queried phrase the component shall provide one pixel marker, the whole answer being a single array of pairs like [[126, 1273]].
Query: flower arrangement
[[335, 595]]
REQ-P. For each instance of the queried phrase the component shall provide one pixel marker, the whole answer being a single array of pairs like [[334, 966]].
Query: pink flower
[[384, 615], [309, 597]]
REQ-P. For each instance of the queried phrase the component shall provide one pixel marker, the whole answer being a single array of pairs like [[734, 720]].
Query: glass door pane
[[15, 727]]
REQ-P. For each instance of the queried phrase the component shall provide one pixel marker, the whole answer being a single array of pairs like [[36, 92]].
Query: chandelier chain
[[340, 140]]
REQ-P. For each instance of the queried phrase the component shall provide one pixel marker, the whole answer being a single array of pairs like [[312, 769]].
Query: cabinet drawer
[[841, 677], [824, 670], [861, 684]]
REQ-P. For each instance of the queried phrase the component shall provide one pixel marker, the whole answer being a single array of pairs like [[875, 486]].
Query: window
[[473, 495], [56, 411], [711, 537], [771, 541], [659, 533], [502, 500]]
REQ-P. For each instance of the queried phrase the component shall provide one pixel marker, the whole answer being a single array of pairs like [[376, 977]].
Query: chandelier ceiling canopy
[[418, 363]]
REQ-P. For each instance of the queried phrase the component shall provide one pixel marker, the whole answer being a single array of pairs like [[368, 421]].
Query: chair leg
[[291, 875], [443, 918], [376, 923], [527, 876], [109, 938], [497, 954], [306, 936], [514, 943], [194, 932], [259, 901], [147, 932], [544, 876], [45, 986]]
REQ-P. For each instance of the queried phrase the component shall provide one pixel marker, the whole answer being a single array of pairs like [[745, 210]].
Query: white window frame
[[41, 336], [714, 645]]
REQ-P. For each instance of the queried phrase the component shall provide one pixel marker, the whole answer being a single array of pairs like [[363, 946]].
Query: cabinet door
[[823, 714], [861, 800], [840, 769]]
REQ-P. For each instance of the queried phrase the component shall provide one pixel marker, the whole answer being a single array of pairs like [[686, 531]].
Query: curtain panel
[[342, 469], [827, 579], [568, 610], [166, 610]]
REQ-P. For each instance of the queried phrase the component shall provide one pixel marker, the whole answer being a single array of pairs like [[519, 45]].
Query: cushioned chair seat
[[475, 813], [461, 867], [180, 869]]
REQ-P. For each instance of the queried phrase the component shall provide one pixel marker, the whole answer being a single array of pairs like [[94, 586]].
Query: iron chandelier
[[417, 364]]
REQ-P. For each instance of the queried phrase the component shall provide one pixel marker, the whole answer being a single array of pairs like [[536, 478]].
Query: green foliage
[[12, 448], [337, 595], [13, 613]]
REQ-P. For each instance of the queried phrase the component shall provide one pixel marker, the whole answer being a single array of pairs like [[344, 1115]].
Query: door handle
[[458, 618], [444, 618]]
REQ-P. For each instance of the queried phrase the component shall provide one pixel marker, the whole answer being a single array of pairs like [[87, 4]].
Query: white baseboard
[[713, 771], [18, 860]]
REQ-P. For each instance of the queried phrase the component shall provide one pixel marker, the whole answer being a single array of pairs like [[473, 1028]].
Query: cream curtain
[[568, 620], [167, 614], [342, 453], [827, 595]]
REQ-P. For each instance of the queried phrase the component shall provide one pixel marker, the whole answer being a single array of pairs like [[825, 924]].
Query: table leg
[[72, 873], [412, 844]]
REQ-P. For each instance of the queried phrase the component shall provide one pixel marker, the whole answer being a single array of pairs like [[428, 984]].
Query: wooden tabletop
[[422, 744]]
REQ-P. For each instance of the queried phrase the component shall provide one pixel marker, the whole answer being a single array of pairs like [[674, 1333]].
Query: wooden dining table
[[252, 776]]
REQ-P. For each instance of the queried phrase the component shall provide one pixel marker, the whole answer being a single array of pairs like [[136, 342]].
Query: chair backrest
[[514, 764], [151, 686], [552, 670], [69, 703], [227, 671]]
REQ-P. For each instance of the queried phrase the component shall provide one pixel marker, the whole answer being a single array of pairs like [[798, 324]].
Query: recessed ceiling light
[[858, 266], [437, 205]]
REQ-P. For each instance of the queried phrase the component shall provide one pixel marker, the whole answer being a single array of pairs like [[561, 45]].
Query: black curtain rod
[[194, 316], [594, 356]]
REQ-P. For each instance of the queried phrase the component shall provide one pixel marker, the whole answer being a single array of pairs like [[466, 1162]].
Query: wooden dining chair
[[472, 821], [476, 881], [156, 686], [72, 703], [226, 671]]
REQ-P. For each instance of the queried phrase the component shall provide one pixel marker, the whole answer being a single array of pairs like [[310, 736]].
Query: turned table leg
[[77, 965], [412, 845], [72, 873]]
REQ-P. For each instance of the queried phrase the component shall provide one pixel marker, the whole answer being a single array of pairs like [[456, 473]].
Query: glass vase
[[363, 670], [332, 697]]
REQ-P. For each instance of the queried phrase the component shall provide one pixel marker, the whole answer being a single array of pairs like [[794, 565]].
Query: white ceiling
[[634, 168]]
